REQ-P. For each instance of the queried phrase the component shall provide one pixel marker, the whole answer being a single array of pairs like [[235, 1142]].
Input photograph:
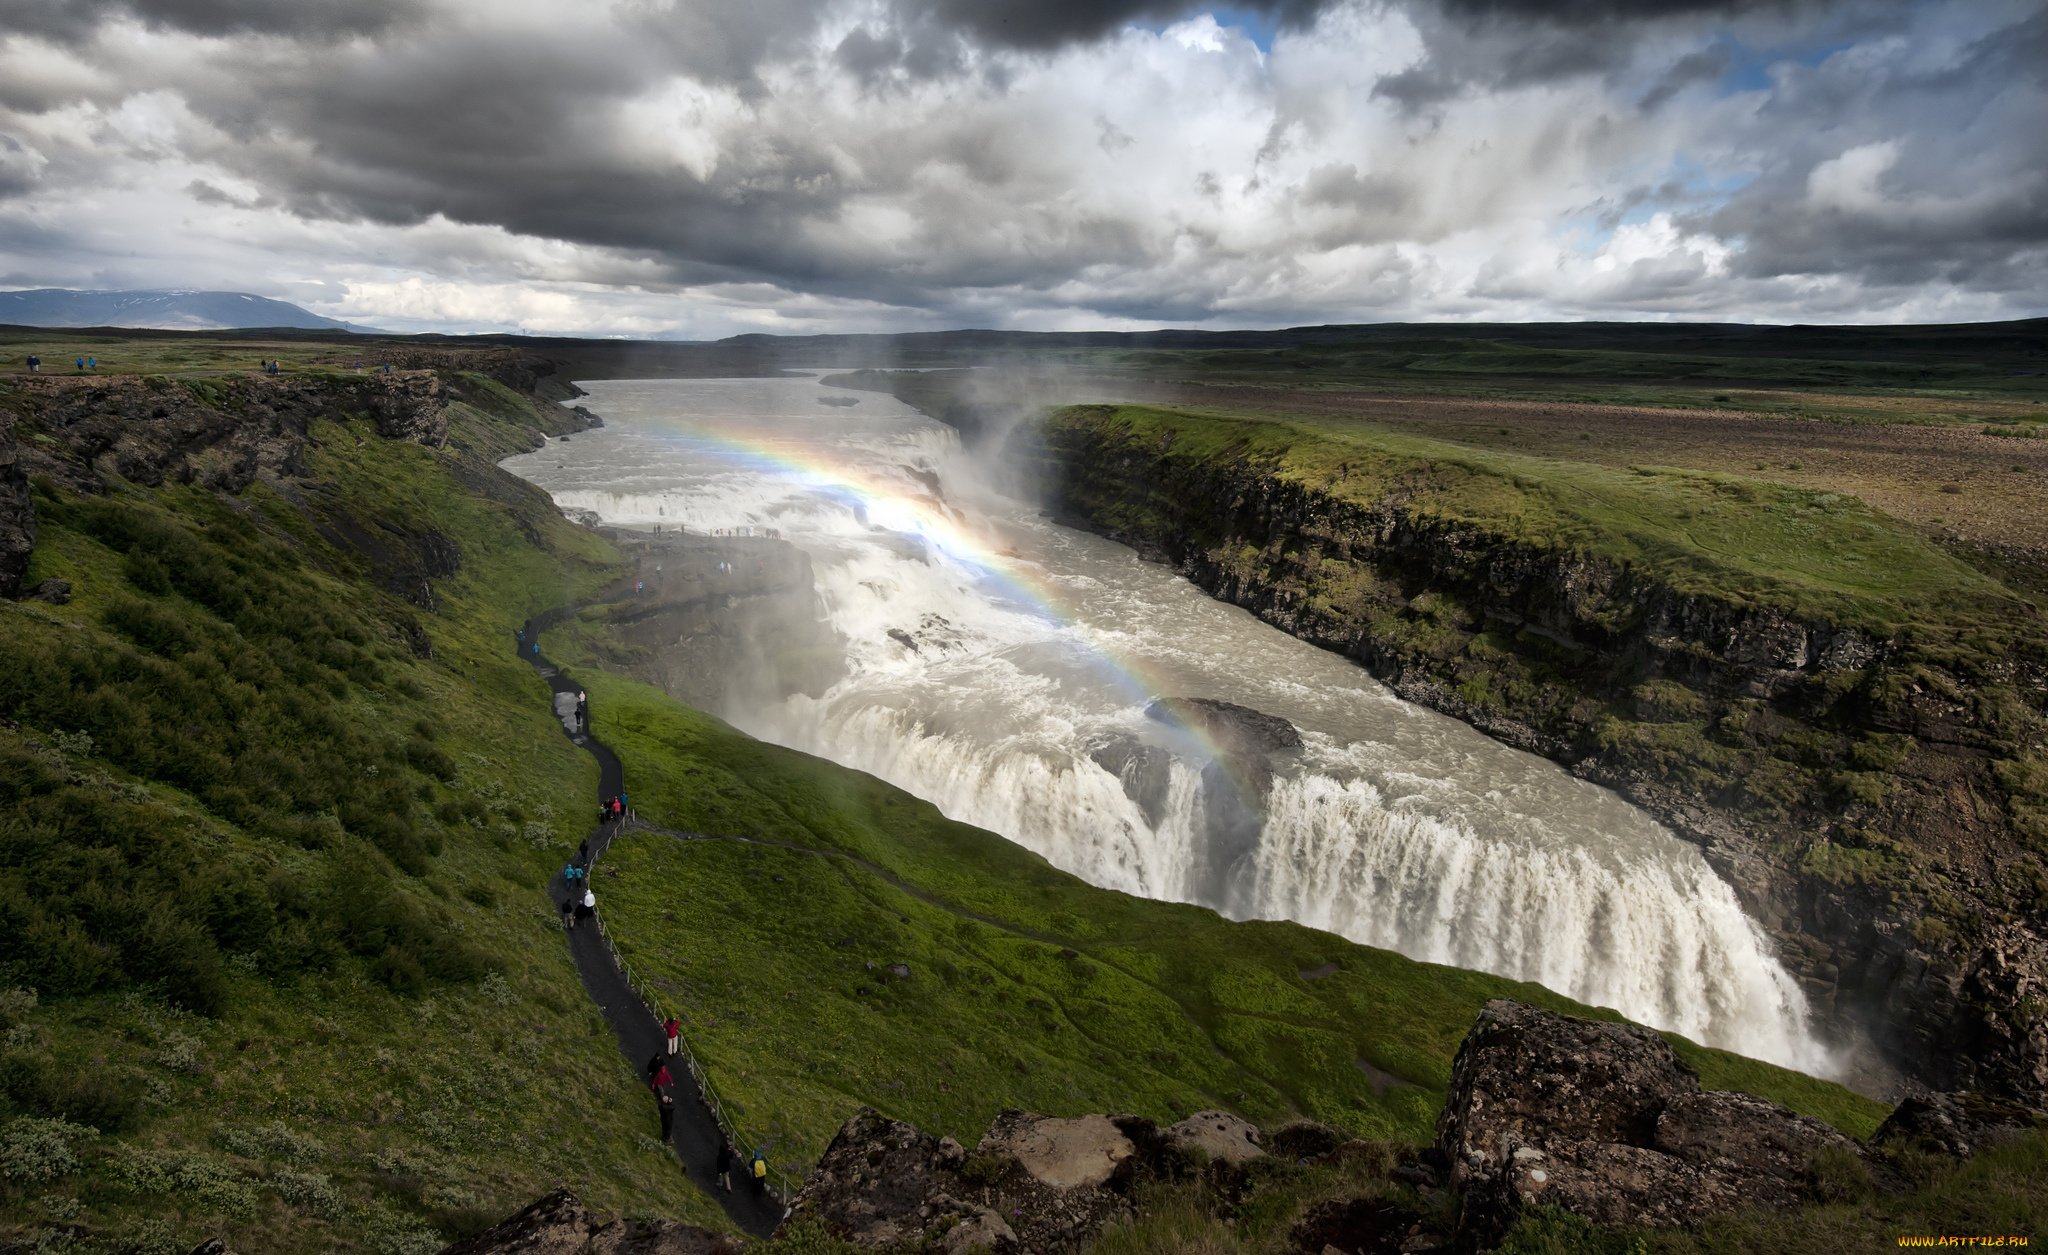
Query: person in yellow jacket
[[760, 1172]]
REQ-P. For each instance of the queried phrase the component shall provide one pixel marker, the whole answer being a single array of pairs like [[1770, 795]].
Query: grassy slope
[[1162, 1009], [319, 1109]]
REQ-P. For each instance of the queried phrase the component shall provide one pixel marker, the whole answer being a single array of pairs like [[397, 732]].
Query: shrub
[[180, 1053], [15, 1004], [273, 1141], [985, 1169], [310, 1190], [33, 1151]]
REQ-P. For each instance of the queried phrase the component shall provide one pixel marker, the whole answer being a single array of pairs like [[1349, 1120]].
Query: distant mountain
[[175, 311]]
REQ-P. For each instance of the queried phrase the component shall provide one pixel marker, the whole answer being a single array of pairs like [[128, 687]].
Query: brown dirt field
[[1953, 482]]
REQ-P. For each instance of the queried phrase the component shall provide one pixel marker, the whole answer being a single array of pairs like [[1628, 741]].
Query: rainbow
[[886, 505]]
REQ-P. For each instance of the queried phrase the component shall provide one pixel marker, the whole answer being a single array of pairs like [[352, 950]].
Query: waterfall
[[999, 666]]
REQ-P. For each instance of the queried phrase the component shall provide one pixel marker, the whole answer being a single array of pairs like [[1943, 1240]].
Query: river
[[1023, 657]]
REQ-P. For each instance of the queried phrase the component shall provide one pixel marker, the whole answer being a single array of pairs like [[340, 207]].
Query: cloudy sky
[[696, 168]]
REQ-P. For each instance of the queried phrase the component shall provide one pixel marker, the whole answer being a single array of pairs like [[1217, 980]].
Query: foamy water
[[1036, 645]]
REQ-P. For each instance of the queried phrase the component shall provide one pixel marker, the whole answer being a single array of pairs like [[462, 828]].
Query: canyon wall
[[1870, 794]]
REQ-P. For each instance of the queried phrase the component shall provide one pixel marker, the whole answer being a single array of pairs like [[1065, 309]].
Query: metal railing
[[784, 1186]]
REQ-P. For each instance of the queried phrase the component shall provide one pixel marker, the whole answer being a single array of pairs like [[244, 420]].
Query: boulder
[[877, 1182], [983, 1229], [1606, 1182], [1235, 785], [1059, 1153], [1525, 1077], [1743, 1137], [1956, 1124], [1605, 1120], [560, 1225], [54, 591], [1034, 1183], [1219, 1134]]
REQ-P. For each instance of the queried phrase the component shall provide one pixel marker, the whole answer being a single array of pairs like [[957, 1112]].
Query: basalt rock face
[[1606, 1120], [560, 1225], [1867, 797], [226, 433], [220, 433]]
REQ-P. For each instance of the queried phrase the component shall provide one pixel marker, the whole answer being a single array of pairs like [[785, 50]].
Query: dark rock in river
[[1234, 786], [1145, 771], [1606, 1120], [1232, 728]]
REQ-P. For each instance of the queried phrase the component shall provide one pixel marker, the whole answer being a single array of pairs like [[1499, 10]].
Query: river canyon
[[1008, 669]]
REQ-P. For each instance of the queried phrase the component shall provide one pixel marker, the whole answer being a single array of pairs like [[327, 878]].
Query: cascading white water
[[1023, 649]]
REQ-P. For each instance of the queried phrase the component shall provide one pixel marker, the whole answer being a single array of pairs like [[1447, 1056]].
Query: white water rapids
[[1037, 645]]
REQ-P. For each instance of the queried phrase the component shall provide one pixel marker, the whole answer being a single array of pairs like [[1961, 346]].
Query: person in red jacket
[[674, 1028]]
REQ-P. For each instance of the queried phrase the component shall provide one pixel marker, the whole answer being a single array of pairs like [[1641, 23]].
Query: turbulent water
[[1023, 648]]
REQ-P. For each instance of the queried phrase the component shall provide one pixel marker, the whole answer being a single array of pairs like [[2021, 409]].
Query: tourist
[[674, 1028], [725, 1166], [35, 364], [569, 913], [760, 1171], [81, 363], [657, 1074], [668, 1114], [587, 907]]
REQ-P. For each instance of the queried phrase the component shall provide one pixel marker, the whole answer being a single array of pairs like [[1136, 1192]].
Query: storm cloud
[[696, 167]]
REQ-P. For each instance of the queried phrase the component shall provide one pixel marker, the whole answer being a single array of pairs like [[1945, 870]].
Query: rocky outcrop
[[1868, 797], [1218, 1135], [1956, 1124], [411, 407], [1064, 1154], [1033, 1183], [561, 1225], [226, 433], [17, 515], [1606, 1120], [220, 433]]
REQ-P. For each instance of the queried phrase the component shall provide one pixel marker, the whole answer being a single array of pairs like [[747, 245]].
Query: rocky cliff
[[1871, 794], [226, 433]]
